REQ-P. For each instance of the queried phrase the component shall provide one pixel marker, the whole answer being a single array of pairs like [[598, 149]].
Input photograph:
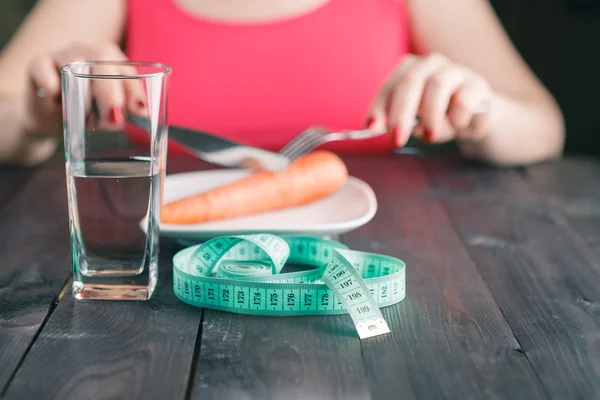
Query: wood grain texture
[[541, 272], [511, 315], [112, 349], [572, 187], [449, 339], [253, 357], [34, 247], [11, 180]]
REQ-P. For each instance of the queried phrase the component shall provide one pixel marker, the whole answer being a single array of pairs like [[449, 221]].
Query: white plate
[[349, 208]]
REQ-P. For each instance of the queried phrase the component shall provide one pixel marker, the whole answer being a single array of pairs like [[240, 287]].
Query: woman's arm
[[52, 26], [525, 123]]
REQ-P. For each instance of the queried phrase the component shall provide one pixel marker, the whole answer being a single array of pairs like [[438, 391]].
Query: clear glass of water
[[115, 134]]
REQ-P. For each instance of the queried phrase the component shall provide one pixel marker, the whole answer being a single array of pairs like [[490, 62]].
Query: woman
[[261, 71]]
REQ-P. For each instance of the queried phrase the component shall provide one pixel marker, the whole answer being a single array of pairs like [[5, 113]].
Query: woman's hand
[[112, 96], [449, 101]]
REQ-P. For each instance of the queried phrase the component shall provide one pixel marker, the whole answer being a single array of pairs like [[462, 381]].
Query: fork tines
[[302, 143]]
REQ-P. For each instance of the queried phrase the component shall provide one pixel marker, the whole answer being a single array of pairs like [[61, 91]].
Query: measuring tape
[[241, 274]]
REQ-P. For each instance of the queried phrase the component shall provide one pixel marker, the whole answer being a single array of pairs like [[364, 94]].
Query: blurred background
[[556, 37]]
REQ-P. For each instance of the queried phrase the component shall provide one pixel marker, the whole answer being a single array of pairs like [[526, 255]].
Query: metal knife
[[220, 151]]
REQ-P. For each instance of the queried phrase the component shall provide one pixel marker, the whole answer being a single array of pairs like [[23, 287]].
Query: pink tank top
[[263, 83]]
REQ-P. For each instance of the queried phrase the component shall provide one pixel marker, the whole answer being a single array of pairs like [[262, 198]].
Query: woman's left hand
[[447, 99]]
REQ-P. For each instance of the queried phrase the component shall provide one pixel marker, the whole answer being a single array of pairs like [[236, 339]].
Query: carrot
[[309, 178]]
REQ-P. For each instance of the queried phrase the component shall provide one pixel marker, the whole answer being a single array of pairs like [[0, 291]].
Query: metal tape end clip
[[369, 329]]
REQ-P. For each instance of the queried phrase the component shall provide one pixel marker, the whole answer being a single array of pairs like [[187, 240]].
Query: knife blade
[[220, 151]]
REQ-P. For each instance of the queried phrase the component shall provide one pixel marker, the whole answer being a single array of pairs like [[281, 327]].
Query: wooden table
[[503, 300]]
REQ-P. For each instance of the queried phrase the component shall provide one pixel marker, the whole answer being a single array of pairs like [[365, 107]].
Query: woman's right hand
[[113, 97]]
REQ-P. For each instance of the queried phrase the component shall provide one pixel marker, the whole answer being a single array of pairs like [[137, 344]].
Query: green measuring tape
[[241, 274]]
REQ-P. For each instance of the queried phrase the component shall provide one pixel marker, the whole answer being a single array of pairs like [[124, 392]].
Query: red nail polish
[[140, 104], [116, 115], [370, 122], [398, 136], [428, 136]]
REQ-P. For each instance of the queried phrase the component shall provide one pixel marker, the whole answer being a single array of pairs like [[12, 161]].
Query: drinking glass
[[115, 174]]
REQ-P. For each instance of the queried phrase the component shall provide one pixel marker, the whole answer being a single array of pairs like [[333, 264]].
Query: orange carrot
[[309, 178]]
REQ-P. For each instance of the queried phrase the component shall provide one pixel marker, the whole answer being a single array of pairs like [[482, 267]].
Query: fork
[[316, 136]]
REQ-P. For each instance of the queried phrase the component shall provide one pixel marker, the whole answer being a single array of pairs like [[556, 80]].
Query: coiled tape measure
[[241, 274]]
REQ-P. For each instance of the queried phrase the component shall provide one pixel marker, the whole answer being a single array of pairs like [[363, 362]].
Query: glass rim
[[67, 69]]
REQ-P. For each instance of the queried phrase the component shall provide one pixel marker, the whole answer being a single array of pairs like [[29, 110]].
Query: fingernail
[[116, 115], [428, 136], [140, 104], [398, 136], [370, 122]]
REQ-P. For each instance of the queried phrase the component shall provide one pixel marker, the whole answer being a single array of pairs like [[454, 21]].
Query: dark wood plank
[[34, 245], [541, 272], [449, 339], [107, 349], [253, 357], [121, 350], [572, 187], [11, 180]]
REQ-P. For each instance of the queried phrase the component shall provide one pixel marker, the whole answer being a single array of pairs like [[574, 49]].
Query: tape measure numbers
[[242, 274]]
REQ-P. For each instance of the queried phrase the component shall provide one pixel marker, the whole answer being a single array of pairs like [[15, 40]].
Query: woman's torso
[[264, 82]]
